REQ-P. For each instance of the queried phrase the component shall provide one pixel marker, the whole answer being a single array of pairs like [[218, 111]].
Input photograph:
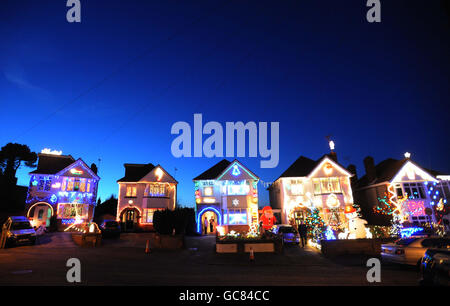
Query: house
[[61, 188], [309, 184], [226, 195], [416, 191], [144, 189]]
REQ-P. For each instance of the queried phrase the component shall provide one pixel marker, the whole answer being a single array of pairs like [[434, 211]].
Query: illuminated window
[[296, 187], [72, 210], [236, 216], [156, 190], [83, 185], [326, 185], [414, 190], [76, 185], [88, 188], [70, 185], [131, 191], [148, 215], [238, 187]]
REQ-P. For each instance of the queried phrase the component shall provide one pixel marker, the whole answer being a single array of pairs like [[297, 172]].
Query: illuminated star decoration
[[235, 202]]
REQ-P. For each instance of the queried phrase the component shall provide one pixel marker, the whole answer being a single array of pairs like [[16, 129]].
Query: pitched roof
[[135, 172], [386, 171], [303, 166], [213, 172], [52, 164]]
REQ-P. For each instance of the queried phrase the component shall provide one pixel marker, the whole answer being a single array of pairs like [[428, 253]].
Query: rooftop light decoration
[[52, 152]]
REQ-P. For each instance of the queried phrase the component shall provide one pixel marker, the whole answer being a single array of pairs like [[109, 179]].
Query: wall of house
[[299, 192], [140, 201], [54, 192]]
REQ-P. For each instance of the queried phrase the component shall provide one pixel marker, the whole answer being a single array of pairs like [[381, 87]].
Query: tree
[[316, 225], [12, 156], [108, 207]]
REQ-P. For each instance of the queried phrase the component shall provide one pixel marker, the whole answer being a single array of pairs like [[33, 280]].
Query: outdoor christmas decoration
[[267, 218], [356, 225], [329, 234], [316, 225]]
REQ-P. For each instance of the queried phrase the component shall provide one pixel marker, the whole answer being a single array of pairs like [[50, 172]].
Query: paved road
[[124, 262]]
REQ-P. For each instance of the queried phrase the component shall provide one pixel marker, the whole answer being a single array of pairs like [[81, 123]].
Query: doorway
[[42, 215], [209, 221], [130, 217]]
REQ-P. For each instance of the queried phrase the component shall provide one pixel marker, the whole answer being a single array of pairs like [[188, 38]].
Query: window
[[83, 185], [76, 185], [236, 217], [207, 191], [70, 184], [156, 190], [44, 183], [48, 184], [148, 215], [131, 191], [237, 187], [399, 191], [326, 185], [414, 190], [296, 187]]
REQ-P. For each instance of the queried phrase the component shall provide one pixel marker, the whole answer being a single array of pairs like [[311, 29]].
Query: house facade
[[418, 193], [144, 189], [226, 197], [61, 188], [309, 184]]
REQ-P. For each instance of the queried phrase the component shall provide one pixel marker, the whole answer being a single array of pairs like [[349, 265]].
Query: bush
[[163, 221], [182, 219]]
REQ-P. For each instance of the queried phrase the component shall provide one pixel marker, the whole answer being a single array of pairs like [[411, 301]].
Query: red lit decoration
[[267, 218]]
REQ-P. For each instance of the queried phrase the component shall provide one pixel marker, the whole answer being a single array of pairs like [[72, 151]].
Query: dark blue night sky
[[111, 86]]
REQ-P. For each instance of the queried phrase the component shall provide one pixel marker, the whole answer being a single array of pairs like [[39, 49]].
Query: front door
[[42, 215], [130, 217]]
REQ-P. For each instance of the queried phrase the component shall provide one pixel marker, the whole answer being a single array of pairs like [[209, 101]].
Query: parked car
[[19, 230], [287, 233], [110, 228], [410, 250], [435, 267]]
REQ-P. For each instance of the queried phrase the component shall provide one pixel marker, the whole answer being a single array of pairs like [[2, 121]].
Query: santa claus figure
[[356, 225], [267, 218]]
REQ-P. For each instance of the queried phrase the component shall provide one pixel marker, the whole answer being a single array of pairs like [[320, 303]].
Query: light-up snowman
[[356, 226]]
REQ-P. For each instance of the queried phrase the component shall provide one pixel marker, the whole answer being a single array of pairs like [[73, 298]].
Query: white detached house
[[144, 189], [308, 184]]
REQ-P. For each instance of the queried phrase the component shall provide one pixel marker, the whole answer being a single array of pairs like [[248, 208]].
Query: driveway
[[124, 262]]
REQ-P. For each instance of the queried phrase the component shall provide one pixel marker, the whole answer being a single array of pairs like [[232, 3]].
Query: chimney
[[370, 169], [333, 156], [94, 168], [352, 169]]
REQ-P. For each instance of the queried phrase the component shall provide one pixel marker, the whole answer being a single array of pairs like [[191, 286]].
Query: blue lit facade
[[62, 189], [226, 195]]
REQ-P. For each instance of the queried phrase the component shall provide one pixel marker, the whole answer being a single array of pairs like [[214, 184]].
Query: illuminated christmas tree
[[315, 223]]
